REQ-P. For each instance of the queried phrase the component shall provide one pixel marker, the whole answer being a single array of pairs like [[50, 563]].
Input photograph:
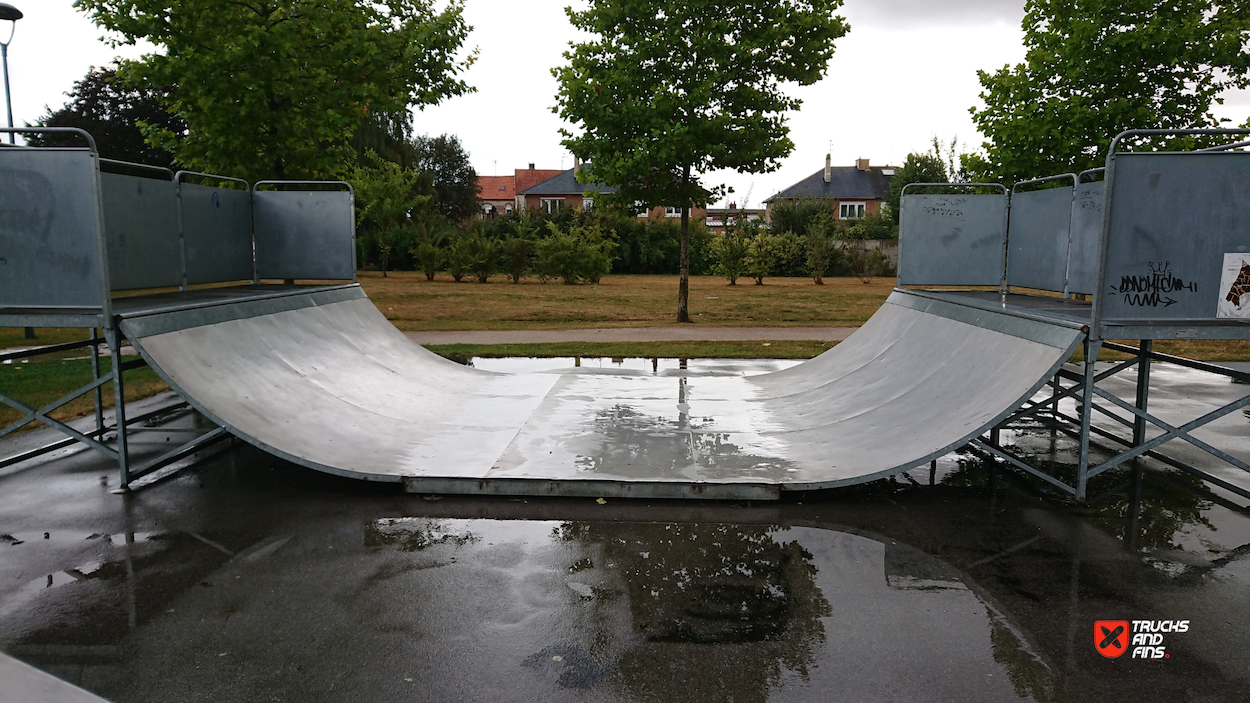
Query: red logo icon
[[1111, 637]]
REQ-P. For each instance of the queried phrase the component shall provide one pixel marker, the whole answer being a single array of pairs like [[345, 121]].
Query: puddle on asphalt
[[250, 579]]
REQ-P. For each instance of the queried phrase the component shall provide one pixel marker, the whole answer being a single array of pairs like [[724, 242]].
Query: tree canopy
[[917, 168], [1095, 68], [668, 90], [455, 181], [276, 88], [111, 112]]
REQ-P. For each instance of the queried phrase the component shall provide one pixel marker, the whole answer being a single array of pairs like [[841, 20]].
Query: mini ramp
[[322, 379], [243, 297]]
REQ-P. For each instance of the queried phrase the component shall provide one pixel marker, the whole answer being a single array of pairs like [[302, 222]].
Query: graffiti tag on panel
[[1157, 287]]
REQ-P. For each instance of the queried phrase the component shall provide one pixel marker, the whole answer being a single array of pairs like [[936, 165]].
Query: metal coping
[[954, 185], [1122, 136], [295, 185], [1016, 188], [167, 173], [1080, 177], [160, 321], [54, 130], [181, 175]]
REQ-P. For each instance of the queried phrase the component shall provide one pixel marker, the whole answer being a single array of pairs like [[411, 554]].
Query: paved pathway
[[697, 333]]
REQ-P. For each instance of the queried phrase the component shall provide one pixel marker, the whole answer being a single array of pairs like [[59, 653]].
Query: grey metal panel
[[335, 387], [304, 234], [952, 240], [170, 319], [1083, 256], [217, 233], [141, 230], [1173, 217], [49, 229], [1037, 239]]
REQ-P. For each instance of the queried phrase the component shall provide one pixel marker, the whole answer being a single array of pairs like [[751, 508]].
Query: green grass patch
[[412, 303], [38, 383], [1200, 349], [787, 349], [16, 336]]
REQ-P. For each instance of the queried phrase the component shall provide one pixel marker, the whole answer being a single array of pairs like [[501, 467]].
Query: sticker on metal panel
[[1235, 287]]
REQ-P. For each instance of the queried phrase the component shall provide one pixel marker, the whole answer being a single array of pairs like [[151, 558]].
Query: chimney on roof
[[531, 167], [577, 165], [861, 164], [828, 168]]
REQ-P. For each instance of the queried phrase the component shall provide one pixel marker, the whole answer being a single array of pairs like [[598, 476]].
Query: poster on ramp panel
[[1235, 287]]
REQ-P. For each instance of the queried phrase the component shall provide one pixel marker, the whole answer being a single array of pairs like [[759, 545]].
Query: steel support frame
[[1139, 420], [98, 438]]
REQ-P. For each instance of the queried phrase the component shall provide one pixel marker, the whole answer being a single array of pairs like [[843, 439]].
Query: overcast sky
[[905, 73]]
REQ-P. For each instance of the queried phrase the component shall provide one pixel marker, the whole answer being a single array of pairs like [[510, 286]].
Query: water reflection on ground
[[249, 579]]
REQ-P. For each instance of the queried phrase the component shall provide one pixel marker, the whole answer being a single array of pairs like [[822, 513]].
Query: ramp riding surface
[[322, 379]]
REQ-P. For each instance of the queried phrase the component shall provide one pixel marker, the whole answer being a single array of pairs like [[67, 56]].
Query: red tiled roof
[[528, 178], [496, 187]]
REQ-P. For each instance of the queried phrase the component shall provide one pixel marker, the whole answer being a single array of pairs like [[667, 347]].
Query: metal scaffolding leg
[[1092, 348], [119, 408], [97, 394], [1143, 390]]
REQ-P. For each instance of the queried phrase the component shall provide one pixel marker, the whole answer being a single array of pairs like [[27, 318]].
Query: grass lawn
[[412, 303], [16, 336], [38, 383]]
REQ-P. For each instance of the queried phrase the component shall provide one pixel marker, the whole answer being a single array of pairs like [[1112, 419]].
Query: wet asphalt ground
[[248, 579]]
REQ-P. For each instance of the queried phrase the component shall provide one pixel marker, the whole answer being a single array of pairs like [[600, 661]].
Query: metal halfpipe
[[322, 379]]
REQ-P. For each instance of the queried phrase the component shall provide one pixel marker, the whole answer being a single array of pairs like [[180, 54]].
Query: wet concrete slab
[[247, 578]]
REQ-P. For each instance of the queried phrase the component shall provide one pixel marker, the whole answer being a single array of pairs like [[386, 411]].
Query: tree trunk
[[683, 288]]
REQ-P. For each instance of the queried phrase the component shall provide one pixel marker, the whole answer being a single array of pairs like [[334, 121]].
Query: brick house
[[852, 191], [559, 191], [497, 193]]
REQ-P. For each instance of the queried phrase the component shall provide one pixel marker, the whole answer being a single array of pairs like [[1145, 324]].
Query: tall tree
[[276, 88], [668, 90], [112, 113], [455, 181], [1095, 68]]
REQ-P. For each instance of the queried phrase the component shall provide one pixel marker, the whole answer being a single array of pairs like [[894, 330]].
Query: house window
[[670, 211], [551, 205], [850, 211], [588, 203], [508, 209]]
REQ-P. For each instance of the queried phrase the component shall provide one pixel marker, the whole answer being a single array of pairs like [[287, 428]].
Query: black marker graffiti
[[1153, 289]]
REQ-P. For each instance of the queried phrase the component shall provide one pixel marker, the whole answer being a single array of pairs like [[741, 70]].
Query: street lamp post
[[12, 15]]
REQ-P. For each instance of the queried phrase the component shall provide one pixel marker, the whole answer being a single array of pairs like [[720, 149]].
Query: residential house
[[718, 218], [851, 191], [559, 191], [497, 193]]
